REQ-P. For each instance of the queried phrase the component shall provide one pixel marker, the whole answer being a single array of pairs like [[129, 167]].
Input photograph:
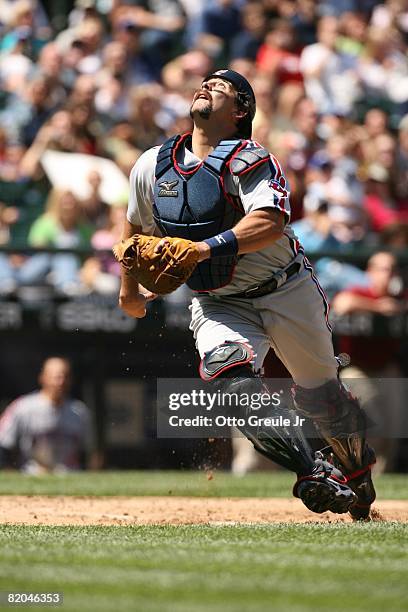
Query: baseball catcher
[[220, 203]]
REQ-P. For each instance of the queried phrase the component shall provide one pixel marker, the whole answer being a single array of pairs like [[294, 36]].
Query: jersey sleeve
[[9, 426], [265, 187], [140, 206]]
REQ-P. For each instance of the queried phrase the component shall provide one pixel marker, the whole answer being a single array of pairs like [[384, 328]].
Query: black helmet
[[245, 96]]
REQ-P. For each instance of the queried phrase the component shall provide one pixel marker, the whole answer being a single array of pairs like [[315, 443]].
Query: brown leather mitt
[[161, 272]]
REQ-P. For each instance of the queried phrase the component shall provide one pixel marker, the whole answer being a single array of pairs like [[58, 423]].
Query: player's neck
[[55, 398], [204, 141]]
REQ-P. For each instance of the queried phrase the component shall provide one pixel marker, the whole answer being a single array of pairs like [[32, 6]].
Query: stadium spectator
[[220, 23], [352, 40], [47, 431], [128, 33], [50, 65], [101, 273], [85, 40], [375, 123], [330, 81], [15, 67], [378, 201], [144, 107], [190, 66], [39, 108], [314, 229], [378, 297], [401, 164], [383, 70], [304, 21], [56, 134], [60, 226], [23, 115], [246, 43], [24, 28], [296, 143], [160, 21], [331, 222], [372, 360], [8, 216], [278, 56], [389, 13], [263, 88], [40, 19]]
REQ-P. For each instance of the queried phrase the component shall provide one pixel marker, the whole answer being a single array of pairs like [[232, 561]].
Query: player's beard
[[204, 113]]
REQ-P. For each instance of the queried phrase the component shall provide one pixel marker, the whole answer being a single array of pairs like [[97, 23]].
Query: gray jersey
[[257, 189], [46, 436]]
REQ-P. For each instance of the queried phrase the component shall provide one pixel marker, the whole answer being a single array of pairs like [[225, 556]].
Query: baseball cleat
[[325, 489], [362, 485]]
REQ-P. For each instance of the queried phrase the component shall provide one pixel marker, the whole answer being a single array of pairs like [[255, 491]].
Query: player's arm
[[257, 230], [265, 198], [9, 434], [347, 302], [131, 298]]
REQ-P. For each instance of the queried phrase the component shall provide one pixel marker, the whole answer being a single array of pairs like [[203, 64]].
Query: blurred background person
[[373, 359], [61, 226], [47, 430], [330, 81]]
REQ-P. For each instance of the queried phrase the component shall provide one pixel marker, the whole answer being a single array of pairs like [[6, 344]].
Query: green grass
[[280, 567], [261, 484], [288, 568]]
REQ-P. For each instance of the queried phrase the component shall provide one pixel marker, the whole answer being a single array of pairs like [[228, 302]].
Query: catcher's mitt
[[161, 272]]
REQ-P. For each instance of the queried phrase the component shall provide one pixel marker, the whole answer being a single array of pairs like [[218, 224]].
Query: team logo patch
[[167, 189], [279, 186]]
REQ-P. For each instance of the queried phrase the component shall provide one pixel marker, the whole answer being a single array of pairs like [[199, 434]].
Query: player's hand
[[149, 295], [133, 305], [161, 245], [203, 248]]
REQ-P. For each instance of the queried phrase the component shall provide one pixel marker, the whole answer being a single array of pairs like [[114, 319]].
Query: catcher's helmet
[[245, 97]]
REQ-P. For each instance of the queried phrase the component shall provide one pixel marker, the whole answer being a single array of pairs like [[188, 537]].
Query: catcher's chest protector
[[191, 203]]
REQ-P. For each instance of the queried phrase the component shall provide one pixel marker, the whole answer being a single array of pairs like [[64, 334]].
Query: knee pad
[[228, 367], [224, 357]]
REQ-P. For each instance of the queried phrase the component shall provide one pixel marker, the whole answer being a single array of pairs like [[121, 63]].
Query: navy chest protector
[[192, 203]]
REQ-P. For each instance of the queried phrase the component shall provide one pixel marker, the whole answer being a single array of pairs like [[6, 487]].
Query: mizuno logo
[[166, 189]]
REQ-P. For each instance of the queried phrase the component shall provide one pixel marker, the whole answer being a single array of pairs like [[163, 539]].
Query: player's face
[[55, 376], [381, 269], [215, 97]]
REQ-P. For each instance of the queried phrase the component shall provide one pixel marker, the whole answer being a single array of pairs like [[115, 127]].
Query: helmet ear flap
[[242, 101], [244, 124]]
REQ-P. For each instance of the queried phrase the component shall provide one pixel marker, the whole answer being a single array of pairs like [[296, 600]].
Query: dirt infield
[[67, 510]]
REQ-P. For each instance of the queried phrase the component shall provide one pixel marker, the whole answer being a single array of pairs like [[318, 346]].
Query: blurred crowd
[[111, 78]]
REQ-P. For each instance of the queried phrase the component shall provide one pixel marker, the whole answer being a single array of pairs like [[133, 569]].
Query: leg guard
[[320, 485], [228, 367], [342, 423]]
